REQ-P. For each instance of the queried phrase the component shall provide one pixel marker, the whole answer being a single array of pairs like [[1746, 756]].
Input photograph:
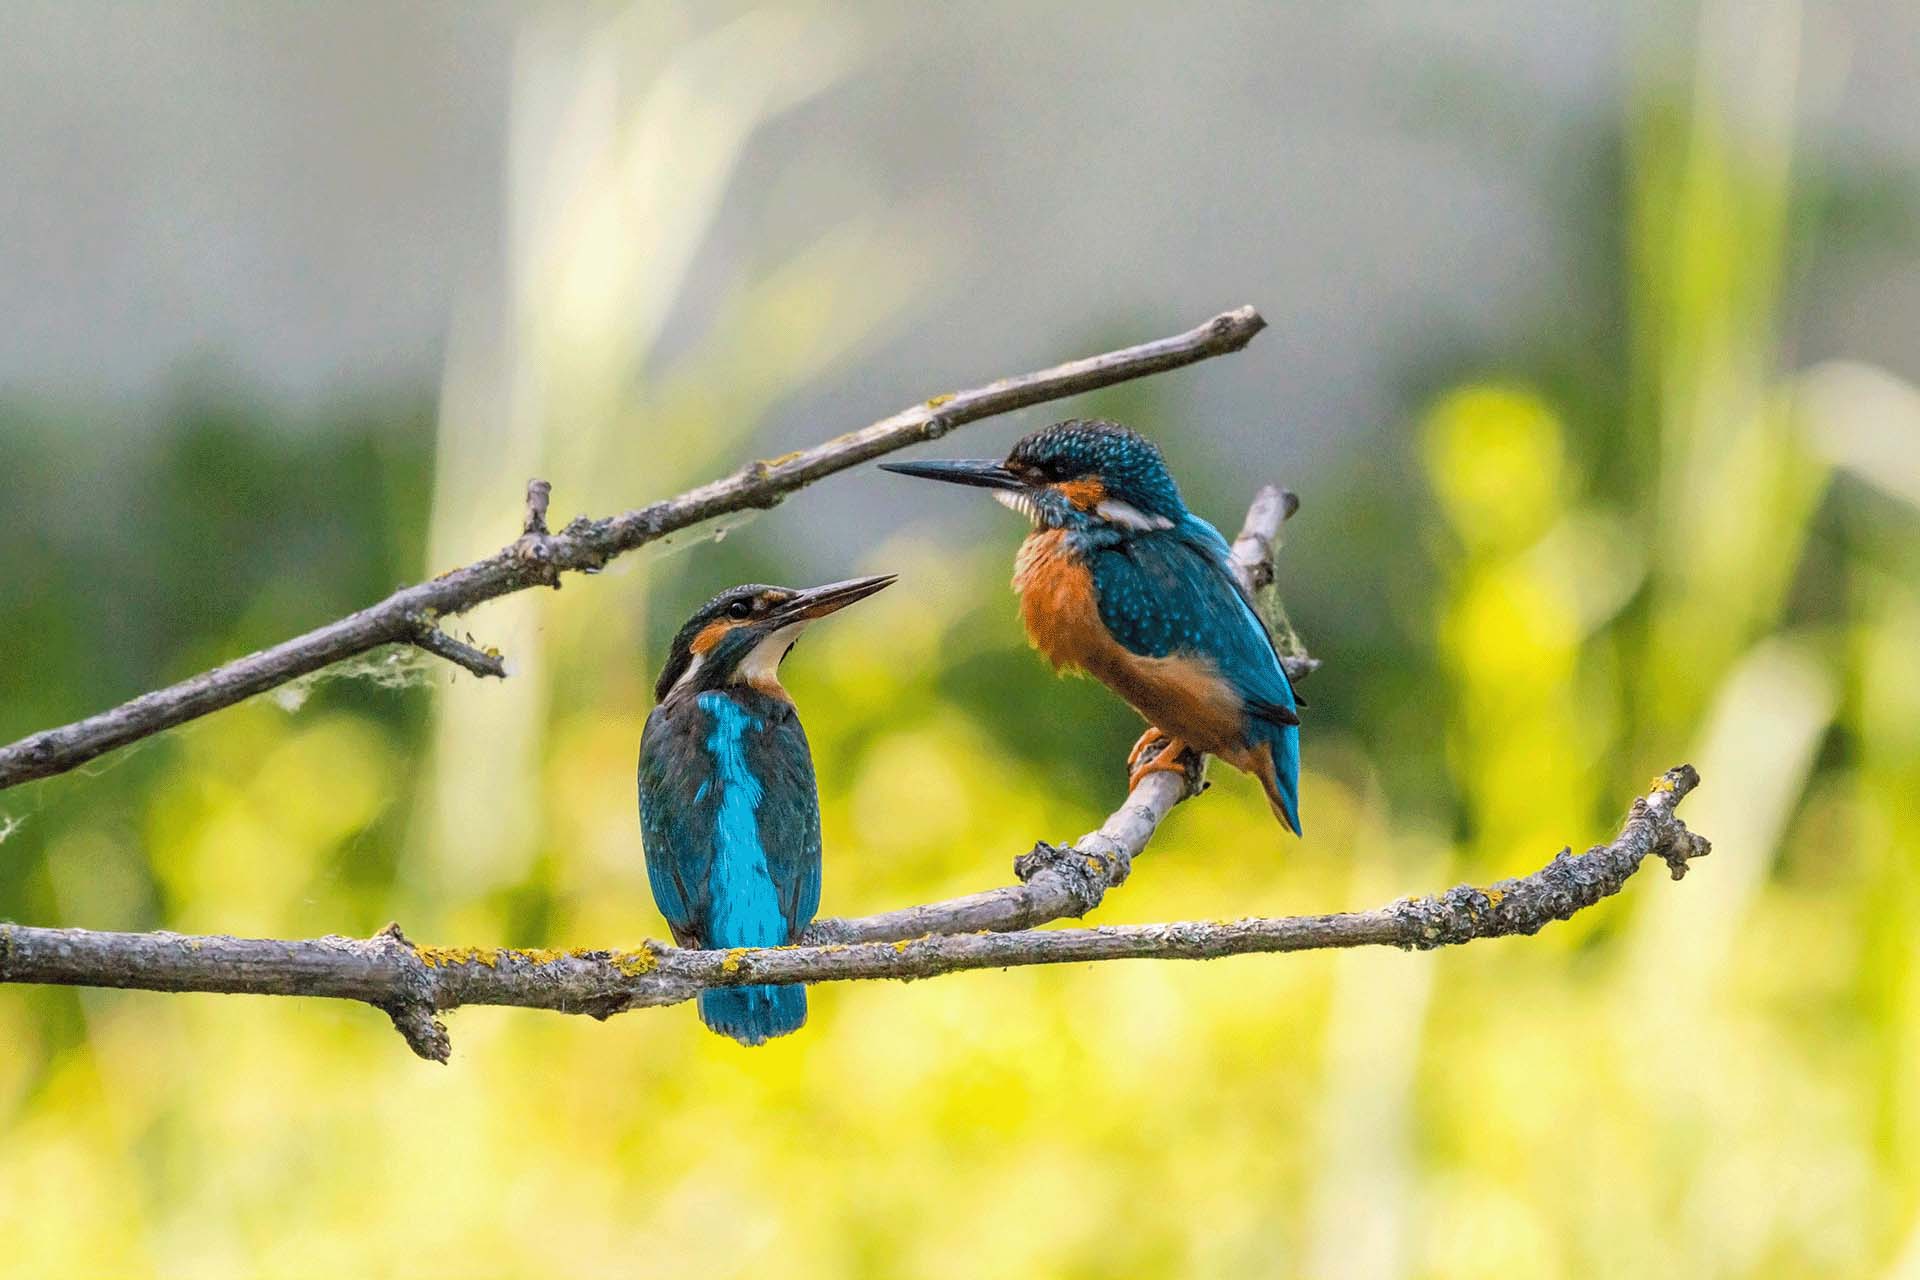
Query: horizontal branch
[[539, 558], [415, 984]]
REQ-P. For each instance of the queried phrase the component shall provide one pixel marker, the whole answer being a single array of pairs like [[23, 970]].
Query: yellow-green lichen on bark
[[631, 964], [449, 957]]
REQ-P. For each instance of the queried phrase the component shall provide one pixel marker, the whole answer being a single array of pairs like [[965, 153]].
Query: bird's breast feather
[[1182, 692], [1057, 601]]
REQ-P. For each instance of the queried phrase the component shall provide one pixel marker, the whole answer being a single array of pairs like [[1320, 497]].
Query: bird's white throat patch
[[1019, 500], [1128, 516], [1112, 510], [761, 666]]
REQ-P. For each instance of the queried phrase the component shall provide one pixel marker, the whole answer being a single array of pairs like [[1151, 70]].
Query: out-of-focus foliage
[[1572, 562]]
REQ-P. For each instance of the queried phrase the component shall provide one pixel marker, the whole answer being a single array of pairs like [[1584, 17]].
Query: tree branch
[[539, 558], [415, 984]]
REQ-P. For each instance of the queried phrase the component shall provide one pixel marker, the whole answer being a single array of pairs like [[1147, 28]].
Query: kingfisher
[[1119, 580], [729, 811]]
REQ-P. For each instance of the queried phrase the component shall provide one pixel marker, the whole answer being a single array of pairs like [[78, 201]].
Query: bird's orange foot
[[1140, 746], [1171, 758]]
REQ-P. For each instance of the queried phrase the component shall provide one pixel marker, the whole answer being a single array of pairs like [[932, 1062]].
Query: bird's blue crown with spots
[[1129, 466]]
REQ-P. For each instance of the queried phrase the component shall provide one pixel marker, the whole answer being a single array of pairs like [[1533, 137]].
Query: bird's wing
[[678, 805], [1172, 591], [1213, 545]]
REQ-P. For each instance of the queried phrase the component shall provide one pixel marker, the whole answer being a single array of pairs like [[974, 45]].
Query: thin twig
[[537, 559], [534, 522], [482, 662], [415, 984]]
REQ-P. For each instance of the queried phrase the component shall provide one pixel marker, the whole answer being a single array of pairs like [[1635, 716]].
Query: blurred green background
[[1636, 484]]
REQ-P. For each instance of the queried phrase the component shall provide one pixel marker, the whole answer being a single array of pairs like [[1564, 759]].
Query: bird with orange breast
[[1119, 580]]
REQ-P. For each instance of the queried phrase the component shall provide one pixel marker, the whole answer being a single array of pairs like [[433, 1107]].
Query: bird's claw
[[1162, 754], [1142, 745]]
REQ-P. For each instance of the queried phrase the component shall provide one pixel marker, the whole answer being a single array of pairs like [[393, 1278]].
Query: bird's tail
[[754, 1015], [1275, 760]]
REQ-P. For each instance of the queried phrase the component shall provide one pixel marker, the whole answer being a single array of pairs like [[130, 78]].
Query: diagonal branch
[[539, 558], [481, 662], [415, 984]]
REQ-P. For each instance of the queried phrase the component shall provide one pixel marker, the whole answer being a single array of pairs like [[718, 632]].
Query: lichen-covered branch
[[539, 558], [415, 984]]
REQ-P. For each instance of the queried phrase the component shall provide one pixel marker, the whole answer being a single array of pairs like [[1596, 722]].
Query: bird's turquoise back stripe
[[745, 909]]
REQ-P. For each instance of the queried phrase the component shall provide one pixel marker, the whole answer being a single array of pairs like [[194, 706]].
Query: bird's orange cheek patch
[[710, 635], [1085, 493]]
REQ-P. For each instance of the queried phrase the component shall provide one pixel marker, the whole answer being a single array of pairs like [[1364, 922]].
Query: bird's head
[[1074, 474], [740, 636]]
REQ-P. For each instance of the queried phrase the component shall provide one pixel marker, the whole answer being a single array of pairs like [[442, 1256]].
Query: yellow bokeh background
[[1718, 563]]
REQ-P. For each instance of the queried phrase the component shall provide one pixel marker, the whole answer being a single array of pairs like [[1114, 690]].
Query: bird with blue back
[[729, 810], [1120, 580]]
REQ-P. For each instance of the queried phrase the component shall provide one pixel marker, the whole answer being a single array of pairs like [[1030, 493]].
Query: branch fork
[[426, 635], [411, 1006]]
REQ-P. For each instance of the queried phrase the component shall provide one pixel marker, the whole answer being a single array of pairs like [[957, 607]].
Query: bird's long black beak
[[980, 473], [818, 602]]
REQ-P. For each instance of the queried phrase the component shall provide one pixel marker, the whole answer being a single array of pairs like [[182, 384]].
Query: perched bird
[[1120, 580], [729, 813]]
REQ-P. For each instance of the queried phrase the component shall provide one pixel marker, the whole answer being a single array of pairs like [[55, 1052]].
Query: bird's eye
[[739, 609]]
